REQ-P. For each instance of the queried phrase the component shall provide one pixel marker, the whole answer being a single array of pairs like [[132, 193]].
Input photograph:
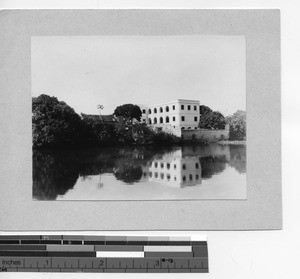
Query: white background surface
[[256, 254]]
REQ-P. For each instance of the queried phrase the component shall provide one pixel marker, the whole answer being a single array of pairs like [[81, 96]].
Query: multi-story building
[[174, 170], [173, 116]]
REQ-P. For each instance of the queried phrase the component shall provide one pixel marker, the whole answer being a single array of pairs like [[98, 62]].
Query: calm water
[[191, 172]]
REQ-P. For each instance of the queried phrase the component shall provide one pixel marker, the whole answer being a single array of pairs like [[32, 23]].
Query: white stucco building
[[172, 116]]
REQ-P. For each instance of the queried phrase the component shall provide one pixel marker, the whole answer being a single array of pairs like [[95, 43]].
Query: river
[[201, 172]]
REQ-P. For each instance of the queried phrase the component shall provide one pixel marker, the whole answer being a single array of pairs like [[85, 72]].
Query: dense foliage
[[129, 111], [211, 119], [54, 123], [237, 125]]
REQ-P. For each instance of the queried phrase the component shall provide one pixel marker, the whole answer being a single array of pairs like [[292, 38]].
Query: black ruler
[[77, 253]]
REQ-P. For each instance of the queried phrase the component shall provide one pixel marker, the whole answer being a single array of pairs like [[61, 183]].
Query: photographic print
[[138, 117]]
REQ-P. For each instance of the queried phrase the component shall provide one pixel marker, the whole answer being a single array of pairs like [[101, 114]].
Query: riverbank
[[232, 142]]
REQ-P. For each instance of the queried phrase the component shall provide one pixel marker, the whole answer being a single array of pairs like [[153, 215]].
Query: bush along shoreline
[[57, 125]]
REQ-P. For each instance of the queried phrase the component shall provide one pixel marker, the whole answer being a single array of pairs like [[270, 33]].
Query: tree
[[237, 125], [210, 119], [204, 110], [54, 123], [128, 111]]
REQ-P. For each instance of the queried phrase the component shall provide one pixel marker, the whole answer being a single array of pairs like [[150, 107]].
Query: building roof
[[196, 102]]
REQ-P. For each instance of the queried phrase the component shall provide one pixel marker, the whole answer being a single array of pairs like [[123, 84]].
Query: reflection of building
[[173, 116], [174, 170]]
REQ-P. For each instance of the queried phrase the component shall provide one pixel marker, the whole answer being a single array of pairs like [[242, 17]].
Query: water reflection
[[55, 173], [175, 170]]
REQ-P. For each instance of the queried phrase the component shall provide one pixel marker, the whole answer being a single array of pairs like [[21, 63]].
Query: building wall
[[179, 113], [206, 135]]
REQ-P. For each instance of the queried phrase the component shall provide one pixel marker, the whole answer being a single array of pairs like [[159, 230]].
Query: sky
[[113, 70]]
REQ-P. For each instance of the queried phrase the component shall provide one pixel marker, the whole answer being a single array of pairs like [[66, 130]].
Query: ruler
[[78, 253]]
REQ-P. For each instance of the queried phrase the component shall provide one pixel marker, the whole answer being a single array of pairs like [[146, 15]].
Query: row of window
[[167, 120], [168, 165], [155, 110], [168, 176]]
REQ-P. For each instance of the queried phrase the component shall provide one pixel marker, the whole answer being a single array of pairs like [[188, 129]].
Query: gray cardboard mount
[[262, 209]]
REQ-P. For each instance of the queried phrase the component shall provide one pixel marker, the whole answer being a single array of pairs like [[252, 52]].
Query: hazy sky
[[114, 70]]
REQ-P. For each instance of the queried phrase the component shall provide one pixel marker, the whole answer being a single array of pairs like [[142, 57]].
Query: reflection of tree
[[238, 158], [53, 174], [128, 171], [212, 165]]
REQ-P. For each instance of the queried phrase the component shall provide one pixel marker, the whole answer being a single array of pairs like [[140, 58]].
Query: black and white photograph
[[138, 117]]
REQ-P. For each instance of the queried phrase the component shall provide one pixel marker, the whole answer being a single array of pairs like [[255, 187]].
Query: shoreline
[[232, 142]]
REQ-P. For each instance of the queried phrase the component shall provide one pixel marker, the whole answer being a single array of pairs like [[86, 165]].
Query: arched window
[[167, 109], [167, 119], [161, 120], [149, 111], [161, 109], [155, 120], [155, 110], [149, 121]]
